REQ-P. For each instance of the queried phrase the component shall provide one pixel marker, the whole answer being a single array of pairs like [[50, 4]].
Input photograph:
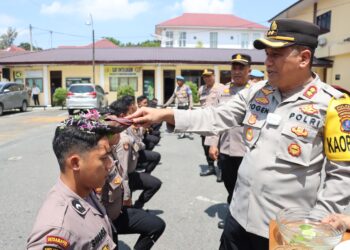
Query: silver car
[[13, 96], [85, 96]]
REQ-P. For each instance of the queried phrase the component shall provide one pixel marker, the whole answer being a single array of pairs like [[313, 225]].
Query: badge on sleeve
[[294, 150], [309, 109], [56, 240], [310, 92], [78, 207], [300, 131]]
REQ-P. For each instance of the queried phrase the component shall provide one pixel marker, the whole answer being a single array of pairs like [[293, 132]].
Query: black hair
[[72, 139], [141, 98], [128, 100], [118, 107], [300, 48]]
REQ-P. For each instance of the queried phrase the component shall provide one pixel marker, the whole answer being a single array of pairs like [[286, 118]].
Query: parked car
[[13, 96], [85, 96]]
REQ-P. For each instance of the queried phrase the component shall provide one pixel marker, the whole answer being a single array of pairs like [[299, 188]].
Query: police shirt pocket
[[252, 130], [296, 144]]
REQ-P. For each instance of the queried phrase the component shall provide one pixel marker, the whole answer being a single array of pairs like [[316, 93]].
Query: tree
[[125, 90], [194, 89], [26, 46], [7, 39], [199, 44], [113, 40], [59, 97]]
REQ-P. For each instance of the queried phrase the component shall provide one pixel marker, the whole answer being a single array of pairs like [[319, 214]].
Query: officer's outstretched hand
[[147, 116]]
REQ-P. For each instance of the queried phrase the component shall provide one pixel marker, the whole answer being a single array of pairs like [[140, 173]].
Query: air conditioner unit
[[322, 41]]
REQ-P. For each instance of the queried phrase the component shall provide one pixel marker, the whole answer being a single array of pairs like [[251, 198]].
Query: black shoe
[[221, 224], [209, 171], [219, 175]]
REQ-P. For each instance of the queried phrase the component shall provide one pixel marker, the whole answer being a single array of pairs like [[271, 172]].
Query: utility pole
[[30, 37], [91, 22], [51, 38]]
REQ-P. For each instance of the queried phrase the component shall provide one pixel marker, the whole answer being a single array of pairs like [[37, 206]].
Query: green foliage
[[125, 90], [59, 97], [199, 44], [26, 46], [194, 89], [148, 43], [7, 39]]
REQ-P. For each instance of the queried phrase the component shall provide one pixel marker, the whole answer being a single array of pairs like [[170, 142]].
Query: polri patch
[[310, 91], [343, 111], [59, 241], [105, 247], [267, 91], [51, 248], [309, 109], [300, 131], [294, 150]]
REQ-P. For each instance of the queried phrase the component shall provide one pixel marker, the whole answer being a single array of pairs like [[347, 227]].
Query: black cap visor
[[263, 43]]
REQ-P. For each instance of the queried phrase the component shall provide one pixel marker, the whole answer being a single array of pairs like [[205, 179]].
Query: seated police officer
[[71, 216]]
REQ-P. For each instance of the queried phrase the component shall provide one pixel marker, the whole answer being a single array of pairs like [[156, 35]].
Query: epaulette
[[332, 91]]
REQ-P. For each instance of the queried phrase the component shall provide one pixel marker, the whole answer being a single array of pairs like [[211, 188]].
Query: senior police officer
[[229, 148], [71, 216], [283, 128], [209, 95]]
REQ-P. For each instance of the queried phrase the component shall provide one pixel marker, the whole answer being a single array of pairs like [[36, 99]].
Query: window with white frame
[[115, 82], [169, 36], [213, 39], [244, 40], [182, 39]]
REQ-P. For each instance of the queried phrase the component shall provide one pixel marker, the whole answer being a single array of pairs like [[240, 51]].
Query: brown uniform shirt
[[183, 96], [67, 221]]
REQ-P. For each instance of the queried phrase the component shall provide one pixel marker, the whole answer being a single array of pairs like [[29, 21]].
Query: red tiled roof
[[100, 44], [210, 20], [14, 48]]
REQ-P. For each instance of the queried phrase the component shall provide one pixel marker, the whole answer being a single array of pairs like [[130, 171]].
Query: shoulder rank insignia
[[267, 91], [310, 91], [117, 180], [300, 131], [78, 207], [262, 100], [226, 91], [294, 150], [56, 240], [105, 247], [98, 190], [309, 109]]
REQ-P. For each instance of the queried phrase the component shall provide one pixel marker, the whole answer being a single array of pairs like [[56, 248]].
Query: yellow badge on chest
[[337, 130], [117, 180]]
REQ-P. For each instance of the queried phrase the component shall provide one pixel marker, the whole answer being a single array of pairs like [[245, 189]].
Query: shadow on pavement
[[220, 210], [155, 211]]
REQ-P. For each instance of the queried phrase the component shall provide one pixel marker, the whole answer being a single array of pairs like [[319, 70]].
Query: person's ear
[[74, 162], [305, 58]]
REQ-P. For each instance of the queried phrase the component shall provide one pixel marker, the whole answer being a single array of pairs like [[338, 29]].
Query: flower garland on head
[[92, 121]]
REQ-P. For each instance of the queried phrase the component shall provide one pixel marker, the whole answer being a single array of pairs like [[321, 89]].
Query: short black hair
[[72, 139], [118, 107], [141, 98], [128, 100]]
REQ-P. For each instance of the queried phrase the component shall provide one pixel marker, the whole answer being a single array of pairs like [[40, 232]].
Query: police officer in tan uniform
[[209, 95], [71, 216], [183, 96], [229, 148], [283, 122]]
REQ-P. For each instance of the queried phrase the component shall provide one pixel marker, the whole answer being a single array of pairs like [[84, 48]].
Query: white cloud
[[7, 20], [100, 9], [208, 6]]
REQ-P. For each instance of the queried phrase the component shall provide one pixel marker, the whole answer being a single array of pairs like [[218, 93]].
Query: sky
[[65, 22]]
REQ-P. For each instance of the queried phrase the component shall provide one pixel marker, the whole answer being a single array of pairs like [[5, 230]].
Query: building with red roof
[[193, 30], [100, 44]]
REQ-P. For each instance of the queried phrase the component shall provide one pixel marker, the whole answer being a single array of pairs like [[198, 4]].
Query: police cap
[[241, 59], [287, 32], [208, 72]]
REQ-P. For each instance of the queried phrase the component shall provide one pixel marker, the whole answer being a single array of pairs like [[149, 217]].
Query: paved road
[[190, 205]]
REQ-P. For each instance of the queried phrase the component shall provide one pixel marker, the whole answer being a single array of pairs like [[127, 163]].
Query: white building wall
[[230, 39]]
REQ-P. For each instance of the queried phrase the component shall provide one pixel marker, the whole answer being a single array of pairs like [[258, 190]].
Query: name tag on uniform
[[273, 119]]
